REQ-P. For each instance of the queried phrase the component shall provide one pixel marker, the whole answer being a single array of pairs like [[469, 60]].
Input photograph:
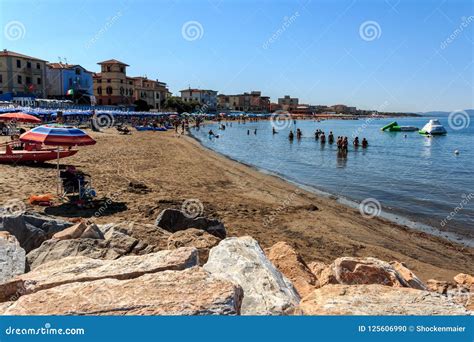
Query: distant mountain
[[470, 112]]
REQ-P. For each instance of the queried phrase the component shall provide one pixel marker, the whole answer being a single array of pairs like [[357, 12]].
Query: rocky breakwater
[[186, 266]]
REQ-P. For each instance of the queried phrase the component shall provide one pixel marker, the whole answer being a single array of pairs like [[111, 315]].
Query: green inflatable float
[[394, 127]]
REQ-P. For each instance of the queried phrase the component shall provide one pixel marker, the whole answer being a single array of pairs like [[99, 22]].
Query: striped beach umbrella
[[19, 117], [57, 135]]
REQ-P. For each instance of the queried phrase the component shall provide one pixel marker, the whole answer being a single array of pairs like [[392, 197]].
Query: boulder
[[189, 292], [174, 220], [376, 300], [438, 286], [464, 279], [352, 271], [52, 250], [266, 290], [317, 267], [92, 232], [31, 229], [408, 276], [12, 257], [73, 232], [292, 265], [193, 237], [83, 269]]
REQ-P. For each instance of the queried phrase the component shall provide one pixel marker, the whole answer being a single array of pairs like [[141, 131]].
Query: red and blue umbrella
[[57, 135]]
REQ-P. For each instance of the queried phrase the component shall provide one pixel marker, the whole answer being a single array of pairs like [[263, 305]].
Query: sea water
[[406, 174]]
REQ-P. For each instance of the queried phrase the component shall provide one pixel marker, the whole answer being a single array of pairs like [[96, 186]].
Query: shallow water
[[411, 175]]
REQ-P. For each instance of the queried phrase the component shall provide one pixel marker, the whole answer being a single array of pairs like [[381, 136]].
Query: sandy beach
[[176, 169]]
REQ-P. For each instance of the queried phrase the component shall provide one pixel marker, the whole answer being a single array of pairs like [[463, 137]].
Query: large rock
[[408, 276], [12, 257], [116, 244], [189, 292], [376, 300], [80, 230], [31, 229], [174, 220], [83, 269], [292, 265], [197, 238], [266, 290], [464, 279], [352, 271]]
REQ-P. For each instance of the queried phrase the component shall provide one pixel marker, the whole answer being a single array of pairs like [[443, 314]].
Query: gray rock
[[31, 229], [12, 257], [266, 290], [174, 220]]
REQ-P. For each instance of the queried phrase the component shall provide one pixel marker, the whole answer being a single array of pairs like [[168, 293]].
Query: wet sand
[[178, 169]]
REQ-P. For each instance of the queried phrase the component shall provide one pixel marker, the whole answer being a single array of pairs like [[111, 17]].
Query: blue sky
[[315, 50]]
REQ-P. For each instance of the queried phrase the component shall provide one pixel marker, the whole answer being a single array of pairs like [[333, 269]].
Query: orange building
[[112, 86]]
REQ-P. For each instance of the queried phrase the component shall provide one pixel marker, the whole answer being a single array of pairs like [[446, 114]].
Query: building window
[[99, 80], [131, 92], [108, 80], [38, 81], [18, 63], [78, 71], [121, 81], [122, 69], [1, 78], [108, 68], [28, 80], [109, 101], [28, 64], [122, 91], [130, 82], [19, 79], [109, 90], [99, 90], [38, 66]]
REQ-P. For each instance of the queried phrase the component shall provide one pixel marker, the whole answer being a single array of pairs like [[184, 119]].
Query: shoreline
[[248, 201], [392, 216]]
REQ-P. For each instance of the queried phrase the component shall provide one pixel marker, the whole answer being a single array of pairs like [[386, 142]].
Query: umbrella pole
[[58, 176]]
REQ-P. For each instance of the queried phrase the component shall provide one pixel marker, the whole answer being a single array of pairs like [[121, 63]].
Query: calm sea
[[411, 176]]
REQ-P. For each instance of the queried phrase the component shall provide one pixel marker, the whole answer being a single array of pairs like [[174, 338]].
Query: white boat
[[433, 127]]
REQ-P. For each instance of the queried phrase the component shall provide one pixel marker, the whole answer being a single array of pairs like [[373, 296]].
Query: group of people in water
[[342, 142]]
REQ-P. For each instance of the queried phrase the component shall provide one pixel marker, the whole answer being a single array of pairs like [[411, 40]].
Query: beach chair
[[77, 186]]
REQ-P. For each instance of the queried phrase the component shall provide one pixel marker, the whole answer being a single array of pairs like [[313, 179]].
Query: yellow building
[[21, 76], [111, 84]]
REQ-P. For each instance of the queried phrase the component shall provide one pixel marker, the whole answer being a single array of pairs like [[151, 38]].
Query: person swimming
[[331, 137], [365, 143], [291, 136]]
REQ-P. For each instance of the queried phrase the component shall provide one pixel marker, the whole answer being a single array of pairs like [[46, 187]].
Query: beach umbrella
[[57, 135], [19, 117]]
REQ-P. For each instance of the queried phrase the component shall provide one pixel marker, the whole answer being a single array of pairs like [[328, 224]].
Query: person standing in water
[[274, 131], [331, 137], [291, 136], [248, 132], [299, 134], [365, 143], [356, 142], [323, 138], [255, 131]]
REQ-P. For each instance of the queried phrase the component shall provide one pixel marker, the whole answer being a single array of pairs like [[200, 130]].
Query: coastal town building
[[343, 109], [288, 103], [21, 76], [153, 92], [202, 96], [249, 102], [69, 81], [111, 84]]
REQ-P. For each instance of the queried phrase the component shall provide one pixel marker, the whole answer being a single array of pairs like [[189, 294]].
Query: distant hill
[[470, 112]]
